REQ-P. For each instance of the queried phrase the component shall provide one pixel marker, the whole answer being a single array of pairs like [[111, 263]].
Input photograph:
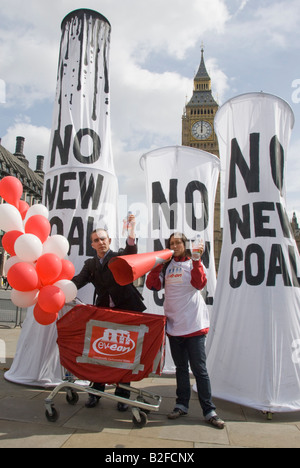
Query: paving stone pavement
[[23, 422]]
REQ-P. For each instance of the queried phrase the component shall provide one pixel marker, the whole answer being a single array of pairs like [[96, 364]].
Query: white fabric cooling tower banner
[[254, 342], [80, 189], [181, 188]]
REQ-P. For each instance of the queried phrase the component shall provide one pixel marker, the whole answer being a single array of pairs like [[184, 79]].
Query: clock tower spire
[[199, 113], [202, 79], [198, 132]]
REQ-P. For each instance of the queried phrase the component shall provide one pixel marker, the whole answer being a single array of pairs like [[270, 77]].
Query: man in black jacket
[[108, 293]]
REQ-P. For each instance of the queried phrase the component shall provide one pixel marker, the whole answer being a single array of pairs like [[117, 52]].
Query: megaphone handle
[[161, 261]]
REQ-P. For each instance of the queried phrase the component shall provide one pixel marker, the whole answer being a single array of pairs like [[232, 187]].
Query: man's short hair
[[100, 229]]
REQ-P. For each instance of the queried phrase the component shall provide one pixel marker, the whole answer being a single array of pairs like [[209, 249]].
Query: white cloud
[[279, 20], [169, 25], [261, 26], [220, 82], [2, 91], [29, 77], [145, 102], [36, 139]]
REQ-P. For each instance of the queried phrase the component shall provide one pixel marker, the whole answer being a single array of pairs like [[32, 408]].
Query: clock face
[[201, 130]]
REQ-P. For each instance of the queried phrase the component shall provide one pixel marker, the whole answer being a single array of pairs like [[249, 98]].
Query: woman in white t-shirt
[[187, 324]]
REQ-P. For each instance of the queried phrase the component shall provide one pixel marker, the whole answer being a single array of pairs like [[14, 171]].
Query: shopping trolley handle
[[75, 302], [69, 305]]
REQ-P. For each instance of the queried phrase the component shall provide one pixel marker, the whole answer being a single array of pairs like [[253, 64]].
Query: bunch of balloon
[[37, 270]]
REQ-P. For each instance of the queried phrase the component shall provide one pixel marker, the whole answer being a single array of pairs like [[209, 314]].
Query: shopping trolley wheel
[[140, 419], [142, 400], [72, 397], [53, 416]]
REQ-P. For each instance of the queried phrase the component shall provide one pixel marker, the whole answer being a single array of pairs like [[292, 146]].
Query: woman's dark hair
[[184, 239], [187, 250]]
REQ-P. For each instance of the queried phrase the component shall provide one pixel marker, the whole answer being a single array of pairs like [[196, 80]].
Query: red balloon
[[22, 276], [48, 267], [51, 299], [42, 317], [11, 190], [67, 271], [23, 208], [39, 226], [9, 239]]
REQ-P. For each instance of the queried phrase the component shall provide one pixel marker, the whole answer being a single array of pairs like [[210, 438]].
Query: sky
[[249, 46]]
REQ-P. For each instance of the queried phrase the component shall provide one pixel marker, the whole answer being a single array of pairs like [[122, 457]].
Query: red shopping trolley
[[113, 347]]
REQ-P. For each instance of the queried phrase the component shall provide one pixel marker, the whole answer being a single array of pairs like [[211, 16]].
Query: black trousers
[[121, 392]]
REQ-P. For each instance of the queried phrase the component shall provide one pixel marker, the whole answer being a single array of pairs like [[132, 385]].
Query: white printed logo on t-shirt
[[174, 275]]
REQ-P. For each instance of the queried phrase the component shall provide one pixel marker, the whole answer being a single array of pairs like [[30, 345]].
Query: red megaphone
[[128, 268]]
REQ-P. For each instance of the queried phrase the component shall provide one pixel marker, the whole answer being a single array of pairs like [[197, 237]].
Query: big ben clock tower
[[198, 132]]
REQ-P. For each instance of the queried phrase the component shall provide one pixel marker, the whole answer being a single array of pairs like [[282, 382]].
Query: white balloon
[[68, 288], [10, 218], [37, 209], [9, 263], [28, 247], [24, 299], [57, 244]]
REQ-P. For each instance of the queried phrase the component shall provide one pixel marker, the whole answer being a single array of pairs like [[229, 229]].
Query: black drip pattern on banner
[[88, 27]]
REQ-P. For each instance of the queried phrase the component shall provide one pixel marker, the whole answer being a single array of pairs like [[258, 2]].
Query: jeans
[[191, 351]]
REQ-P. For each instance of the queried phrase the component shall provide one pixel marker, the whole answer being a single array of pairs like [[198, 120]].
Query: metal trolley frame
[[141, 401], [140, 407]]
